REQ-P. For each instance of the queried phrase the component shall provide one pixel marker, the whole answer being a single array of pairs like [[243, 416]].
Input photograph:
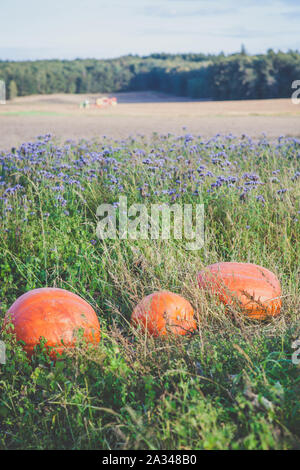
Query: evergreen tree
[[235, 76]]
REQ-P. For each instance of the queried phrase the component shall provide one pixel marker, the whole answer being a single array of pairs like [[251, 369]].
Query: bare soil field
[[143, 113]]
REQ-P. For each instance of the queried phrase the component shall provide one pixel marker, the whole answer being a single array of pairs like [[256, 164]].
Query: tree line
[[222, 77]]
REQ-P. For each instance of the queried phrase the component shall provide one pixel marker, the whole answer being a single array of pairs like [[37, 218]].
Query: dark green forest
[[235, 76]]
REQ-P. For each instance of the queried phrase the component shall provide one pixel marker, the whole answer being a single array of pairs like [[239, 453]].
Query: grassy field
[[233, 384], [143, 112]]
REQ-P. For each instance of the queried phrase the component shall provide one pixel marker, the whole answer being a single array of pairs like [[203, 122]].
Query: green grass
[[230, 386]]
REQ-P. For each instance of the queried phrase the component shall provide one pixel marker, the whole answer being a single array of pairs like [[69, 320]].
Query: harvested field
[[143, 113]]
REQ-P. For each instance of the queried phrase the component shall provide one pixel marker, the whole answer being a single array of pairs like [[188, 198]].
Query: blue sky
[[36, 29]]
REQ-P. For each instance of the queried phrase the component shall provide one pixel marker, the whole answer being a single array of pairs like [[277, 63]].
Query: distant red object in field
[[105, 101], [164, 312], [256, 289], [53, 314]]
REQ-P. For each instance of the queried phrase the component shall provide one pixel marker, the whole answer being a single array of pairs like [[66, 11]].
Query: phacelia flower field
[[234, 383]]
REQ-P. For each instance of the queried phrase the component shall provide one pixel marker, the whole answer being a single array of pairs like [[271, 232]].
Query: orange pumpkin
[[53, 314], [256, 289], [164, 312]]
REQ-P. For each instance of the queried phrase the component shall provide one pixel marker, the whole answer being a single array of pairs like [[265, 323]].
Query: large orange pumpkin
[[53, 314], [164, 312], [256, 289]]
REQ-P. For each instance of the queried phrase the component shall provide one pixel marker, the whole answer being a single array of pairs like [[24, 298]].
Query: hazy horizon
[[104, 30], [140, 55]]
